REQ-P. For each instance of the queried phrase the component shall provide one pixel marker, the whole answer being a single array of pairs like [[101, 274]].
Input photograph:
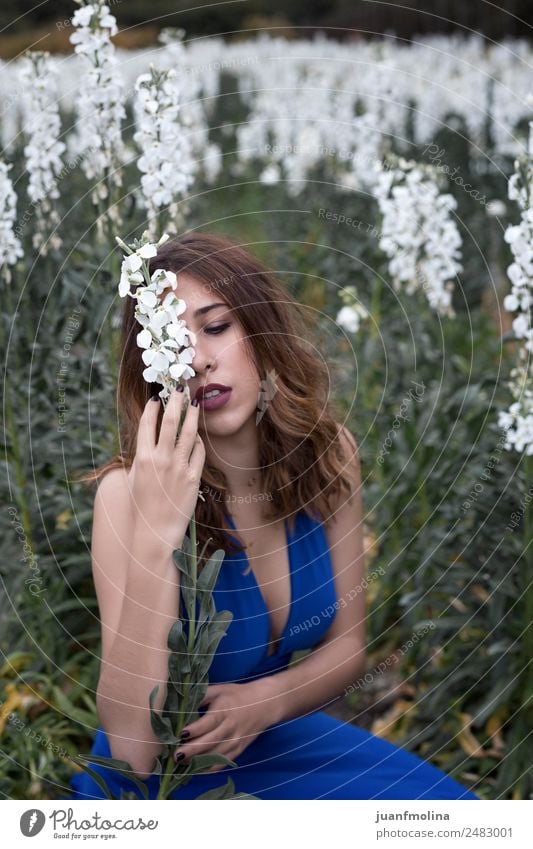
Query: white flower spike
[[165, 338]]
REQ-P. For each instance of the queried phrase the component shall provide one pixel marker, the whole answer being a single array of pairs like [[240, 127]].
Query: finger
[[147, 425], [215, 741], [189, 430], [170, 421], [212, 691], [219, 767], [197, 458], [201, 726]]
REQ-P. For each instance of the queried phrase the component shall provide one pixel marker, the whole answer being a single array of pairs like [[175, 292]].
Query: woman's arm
[[137, 586], [339, 658]]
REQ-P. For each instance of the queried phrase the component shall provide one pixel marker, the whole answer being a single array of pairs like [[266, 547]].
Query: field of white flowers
[[390, 186]]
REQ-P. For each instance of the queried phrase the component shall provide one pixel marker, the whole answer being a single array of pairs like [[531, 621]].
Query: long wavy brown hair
[[302, 459]]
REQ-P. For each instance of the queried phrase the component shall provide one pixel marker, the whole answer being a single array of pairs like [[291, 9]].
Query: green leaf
[[78, 714], [161, 724], [206, 582], [175, 639], [172, 702], [183, 561], [97, 778], [202, 762], [179, 664], [225, 791], [495, 697], [120, 767]]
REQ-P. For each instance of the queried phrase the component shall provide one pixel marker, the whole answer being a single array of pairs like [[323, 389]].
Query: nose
[[201, 360], [202, 363]]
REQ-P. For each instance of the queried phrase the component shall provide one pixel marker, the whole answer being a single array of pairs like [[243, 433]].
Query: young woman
[[281, 484]]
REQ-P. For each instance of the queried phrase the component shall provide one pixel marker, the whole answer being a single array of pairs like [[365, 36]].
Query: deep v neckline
[[281, 640]]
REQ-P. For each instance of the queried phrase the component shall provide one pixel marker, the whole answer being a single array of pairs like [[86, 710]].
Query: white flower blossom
[[100, 104], [166, 160], [10, 246], [353, 312], [419, 235], [518, 420], [270, 175], [165, 339], [43, 151]]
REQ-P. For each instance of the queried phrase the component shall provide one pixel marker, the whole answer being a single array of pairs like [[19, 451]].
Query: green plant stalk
[[170, 763], [42, 639], [375, 308], [16, 453]]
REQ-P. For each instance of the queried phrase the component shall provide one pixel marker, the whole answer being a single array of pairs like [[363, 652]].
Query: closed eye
[[218, 329]]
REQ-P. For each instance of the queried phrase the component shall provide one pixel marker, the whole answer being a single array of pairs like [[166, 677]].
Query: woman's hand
[[164, 478], [236, 716]]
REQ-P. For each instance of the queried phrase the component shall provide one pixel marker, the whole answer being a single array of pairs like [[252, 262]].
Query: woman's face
[[220, 342]]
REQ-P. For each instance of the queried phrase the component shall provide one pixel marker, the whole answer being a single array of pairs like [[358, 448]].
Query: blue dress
[[308, 757]]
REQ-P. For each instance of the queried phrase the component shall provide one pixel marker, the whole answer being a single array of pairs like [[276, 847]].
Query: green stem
[[15, 446], [168, 774], [375, 308], [41, 639]]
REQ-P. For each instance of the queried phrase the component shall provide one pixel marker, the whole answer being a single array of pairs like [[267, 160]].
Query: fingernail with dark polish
[[181, 387], [194, 402], [154, 398], [184, 735], [179, 756]]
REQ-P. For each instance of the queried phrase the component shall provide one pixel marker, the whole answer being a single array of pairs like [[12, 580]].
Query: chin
[[226, 422]]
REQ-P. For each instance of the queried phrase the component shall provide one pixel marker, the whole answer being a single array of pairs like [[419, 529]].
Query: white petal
[[148, 356], [177, 370], [151, 375], [147, 251], [124, 287], [144, 339], [132, 263], [147, 298]]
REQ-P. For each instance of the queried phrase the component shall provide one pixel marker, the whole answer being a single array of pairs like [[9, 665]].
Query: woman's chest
[[268, 556], [248, 649]]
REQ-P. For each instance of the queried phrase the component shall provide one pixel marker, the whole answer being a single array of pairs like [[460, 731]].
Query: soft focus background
[[377, 158]]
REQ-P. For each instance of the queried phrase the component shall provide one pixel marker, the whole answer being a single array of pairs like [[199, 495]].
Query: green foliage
[[450, 554]]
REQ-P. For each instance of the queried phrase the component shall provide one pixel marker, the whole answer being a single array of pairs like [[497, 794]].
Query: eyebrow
[[203, 310]]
